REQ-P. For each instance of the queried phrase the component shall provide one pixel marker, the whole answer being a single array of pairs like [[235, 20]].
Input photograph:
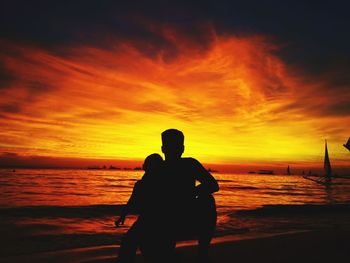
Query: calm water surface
[[62, 187], [57, 205]]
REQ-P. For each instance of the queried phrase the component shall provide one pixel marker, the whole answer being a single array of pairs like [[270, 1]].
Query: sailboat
[[288, 171], [328, 170], [327, 165], [347, 145]]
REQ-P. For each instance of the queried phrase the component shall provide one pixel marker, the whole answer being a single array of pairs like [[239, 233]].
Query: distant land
[[12, 160]]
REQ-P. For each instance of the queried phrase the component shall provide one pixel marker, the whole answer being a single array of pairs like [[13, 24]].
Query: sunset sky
[[247, 83]]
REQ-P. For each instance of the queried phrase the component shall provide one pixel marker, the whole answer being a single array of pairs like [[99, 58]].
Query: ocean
[[54, 209]]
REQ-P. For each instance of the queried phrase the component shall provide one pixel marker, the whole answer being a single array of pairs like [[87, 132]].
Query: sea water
[[52, 209]]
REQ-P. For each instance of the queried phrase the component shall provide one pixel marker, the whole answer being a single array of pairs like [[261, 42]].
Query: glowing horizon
[[236, 101]]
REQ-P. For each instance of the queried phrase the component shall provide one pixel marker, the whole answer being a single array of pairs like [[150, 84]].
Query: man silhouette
[[190, 209], [179, 209]]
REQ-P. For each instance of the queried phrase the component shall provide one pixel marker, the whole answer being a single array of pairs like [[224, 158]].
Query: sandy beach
[[330, 245]]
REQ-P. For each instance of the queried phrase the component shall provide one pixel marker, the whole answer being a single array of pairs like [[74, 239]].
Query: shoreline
[[301, 246]]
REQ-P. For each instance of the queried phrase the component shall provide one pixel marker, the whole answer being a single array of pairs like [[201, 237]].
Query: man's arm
[[208, 184]]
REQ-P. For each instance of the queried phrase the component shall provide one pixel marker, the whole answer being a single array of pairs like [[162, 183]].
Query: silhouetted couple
[[170, 205]]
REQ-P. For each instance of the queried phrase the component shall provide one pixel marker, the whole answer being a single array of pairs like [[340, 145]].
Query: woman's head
[[152, 163]]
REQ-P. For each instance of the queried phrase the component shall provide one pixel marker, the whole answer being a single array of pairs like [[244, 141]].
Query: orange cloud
[[235, 100]]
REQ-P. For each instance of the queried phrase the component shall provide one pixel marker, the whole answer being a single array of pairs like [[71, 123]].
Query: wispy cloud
[[234, 98]]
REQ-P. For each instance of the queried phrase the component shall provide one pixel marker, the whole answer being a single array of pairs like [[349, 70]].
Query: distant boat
[[288, 171], [94, 168], [265, 172], [114, 168], [347, 145]]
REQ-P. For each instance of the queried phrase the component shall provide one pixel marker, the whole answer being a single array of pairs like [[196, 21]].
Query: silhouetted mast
[[327, 163], [288, 170]]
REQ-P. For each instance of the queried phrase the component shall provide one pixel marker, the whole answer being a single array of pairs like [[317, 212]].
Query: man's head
[[172, 143]]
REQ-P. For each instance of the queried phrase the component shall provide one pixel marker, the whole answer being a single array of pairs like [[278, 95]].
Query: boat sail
[[327, 164], [347, 145], [327, 180]]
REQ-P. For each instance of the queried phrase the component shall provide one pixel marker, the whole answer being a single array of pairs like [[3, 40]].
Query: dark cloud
[[313, 35], [93, 116], [8, 154], [38, 87], [10, 108], [339, 109], [14, 103], [6, 77], [314, 107]]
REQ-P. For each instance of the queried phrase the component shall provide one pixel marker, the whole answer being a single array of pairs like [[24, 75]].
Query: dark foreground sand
[[315, 246]]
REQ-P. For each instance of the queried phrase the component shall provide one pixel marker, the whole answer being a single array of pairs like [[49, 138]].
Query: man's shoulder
[[138, 184], [189, 161]]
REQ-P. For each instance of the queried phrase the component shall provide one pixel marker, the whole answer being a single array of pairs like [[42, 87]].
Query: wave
[[116, 186], [244, 187], [225, 180], [90, 211], [282, 192], [307, 209]]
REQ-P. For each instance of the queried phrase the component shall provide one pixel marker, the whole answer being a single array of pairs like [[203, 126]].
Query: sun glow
[[235, 100]]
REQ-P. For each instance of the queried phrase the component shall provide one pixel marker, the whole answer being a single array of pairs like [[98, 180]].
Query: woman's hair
[[152, 162]]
